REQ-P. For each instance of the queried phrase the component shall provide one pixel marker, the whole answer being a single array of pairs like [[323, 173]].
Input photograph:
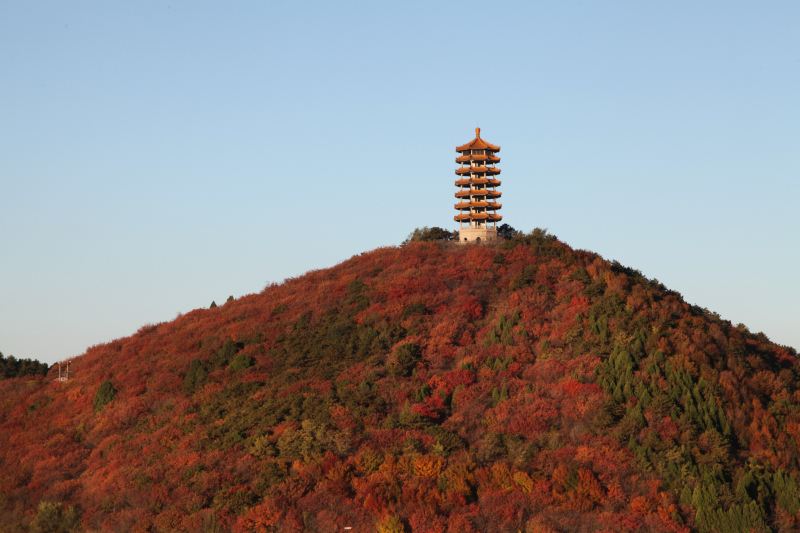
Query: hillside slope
[[427, 388]]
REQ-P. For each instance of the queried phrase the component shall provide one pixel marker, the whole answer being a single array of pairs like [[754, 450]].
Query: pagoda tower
[[477, 192]]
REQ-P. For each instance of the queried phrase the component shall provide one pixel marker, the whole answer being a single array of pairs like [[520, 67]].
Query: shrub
[[427, 234], [406, 357], [526, 279], [52, 518], [417, 308], [507, 232], [241, 361], [225, 355], [390, 524]]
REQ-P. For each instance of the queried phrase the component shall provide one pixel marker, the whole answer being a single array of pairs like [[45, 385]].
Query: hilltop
[[525, 386]]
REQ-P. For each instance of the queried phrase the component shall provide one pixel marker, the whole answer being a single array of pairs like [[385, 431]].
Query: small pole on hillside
[[63, 375]]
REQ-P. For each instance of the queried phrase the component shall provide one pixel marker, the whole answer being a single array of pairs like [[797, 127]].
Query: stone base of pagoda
[[476, 235]]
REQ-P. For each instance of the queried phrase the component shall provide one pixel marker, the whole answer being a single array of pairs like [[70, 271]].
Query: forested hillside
[[423, 388]]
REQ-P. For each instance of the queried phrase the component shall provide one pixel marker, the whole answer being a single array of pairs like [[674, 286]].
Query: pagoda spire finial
[[478, 133]]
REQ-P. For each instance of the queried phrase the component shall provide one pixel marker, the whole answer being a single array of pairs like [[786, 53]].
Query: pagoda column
[[477, 192]]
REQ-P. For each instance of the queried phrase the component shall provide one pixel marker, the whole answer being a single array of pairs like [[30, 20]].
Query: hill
[[426, 388]]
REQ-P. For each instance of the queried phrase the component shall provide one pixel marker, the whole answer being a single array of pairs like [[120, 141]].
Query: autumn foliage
[[428, 388]]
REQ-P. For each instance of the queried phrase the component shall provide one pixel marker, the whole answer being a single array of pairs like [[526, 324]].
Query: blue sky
[[158, 156]]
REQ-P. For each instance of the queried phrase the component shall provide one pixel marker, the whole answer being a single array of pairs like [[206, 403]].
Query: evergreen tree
[[196, 377], [104, 395]]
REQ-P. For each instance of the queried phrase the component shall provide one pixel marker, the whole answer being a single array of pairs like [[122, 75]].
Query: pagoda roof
[[478, 216], [477, 170], [477, 157], [479, 181], [468, 204], [479, 192], [477, 144]]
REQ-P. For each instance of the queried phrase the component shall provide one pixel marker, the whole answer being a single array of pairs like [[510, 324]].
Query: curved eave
[[487, 205], [478, 181], [477, 144], [478, 170], [479, 192], [478, 216], [475, 157]]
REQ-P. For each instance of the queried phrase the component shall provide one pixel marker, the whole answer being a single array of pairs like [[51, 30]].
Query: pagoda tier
[[477, 144], [478, 170], [476, 181], [470, 205], [478, 216], [471, 157], [477, 192]]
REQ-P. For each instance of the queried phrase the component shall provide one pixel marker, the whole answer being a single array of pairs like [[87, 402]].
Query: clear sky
[[156, 156]]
